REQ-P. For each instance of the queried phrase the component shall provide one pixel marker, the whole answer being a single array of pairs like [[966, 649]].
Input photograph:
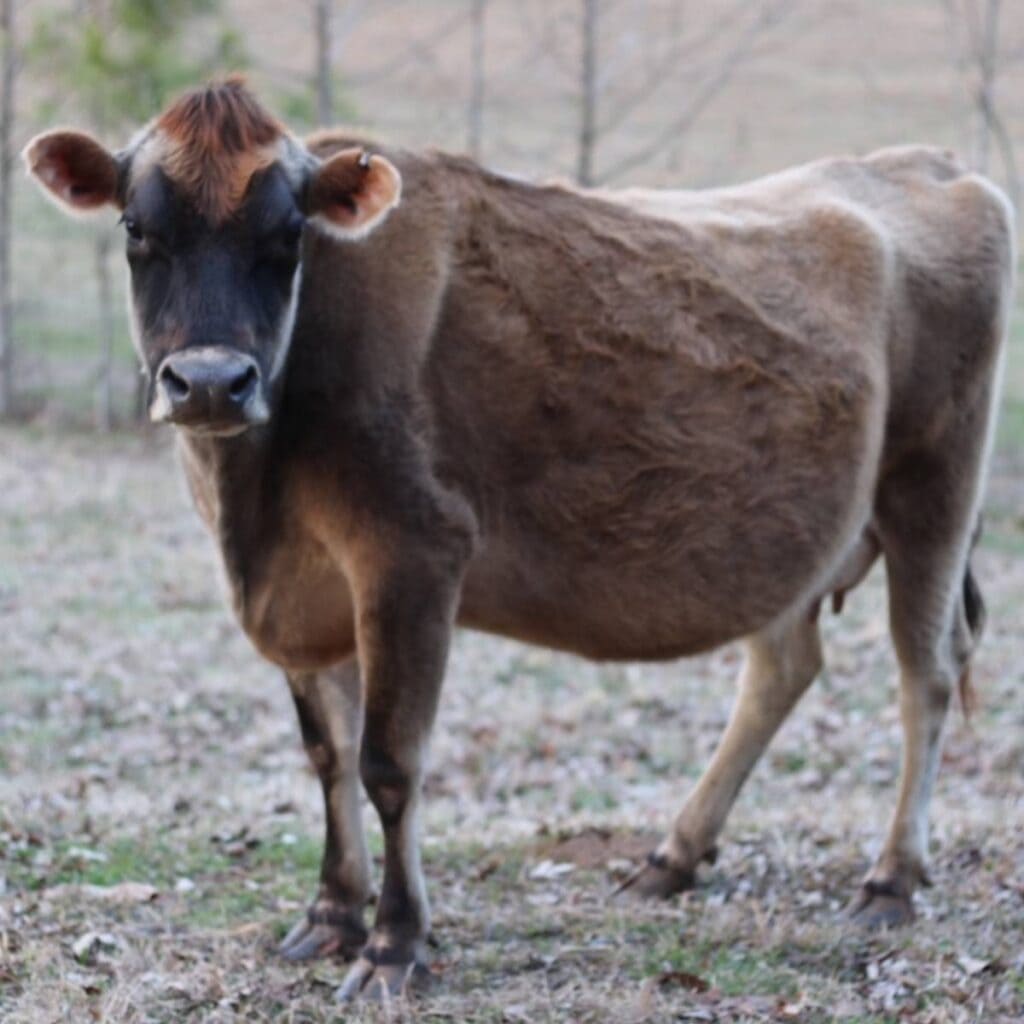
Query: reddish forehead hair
[[215, 139]]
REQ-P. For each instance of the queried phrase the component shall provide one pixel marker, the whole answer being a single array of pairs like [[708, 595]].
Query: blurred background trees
[[8, 72], [682, 93]]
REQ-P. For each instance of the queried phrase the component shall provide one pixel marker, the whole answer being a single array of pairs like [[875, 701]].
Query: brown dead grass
[[142, 742]]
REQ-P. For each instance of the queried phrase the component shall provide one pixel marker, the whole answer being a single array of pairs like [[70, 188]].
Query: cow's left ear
[[75, 170], [351, 193]]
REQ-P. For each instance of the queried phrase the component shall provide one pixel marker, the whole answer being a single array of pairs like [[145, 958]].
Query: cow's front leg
[[404, 626], [330, 710]]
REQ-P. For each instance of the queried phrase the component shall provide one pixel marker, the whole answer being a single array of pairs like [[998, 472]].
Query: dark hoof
[[657, 880], [379, 978], [882, 905], [325, 930]]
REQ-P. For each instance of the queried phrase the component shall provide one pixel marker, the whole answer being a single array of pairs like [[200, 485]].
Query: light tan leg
[[926, 562], [781, 664], [330, 710]]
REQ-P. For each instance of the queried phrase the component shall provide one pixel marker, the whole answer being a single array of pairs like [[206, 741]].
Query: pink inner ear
[[75, 168], [352, 194]]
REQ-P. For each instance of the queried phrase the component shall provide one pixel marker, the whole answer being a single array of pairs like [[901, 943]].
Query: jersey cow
[[410, 393]]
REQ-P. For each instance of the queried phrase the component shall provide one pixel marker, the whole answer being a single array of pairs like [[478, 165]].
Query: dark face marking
[[213, 304]]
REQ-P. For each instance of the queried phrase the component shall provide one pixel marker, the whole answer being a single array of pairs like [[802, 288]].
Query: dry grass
[[141, 741]]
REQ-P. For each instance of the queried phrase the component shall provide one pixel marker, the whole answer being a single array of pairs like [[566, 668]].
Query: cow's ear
[[74, 169], [352, 192]]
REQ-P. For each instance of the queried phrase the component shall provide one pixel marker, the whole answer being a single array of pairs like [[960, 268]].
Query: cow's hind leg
[[927, 513], [781, 663], [329, 706]]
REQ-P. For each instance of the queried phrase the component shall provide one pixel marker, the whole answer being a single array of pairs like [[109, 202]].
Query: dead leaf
[[548, 870], [972, 966], [682, 979], [86, 946], [118, 895]]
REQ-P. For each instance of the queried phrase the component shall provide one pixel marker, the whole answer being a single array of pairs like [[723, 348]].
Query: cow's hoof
[[657, 880], [381, 982], [882, 905], [325, 930]]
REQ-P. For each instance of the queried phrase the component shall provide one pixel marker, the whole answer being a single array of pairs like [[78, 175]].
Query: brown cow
[[630, 425]]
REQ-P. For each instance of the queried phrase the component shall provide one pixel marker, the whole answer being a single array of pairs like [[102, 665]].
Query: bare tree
[[732, 40], [8, 71], [477, 85], [101, 14], [324, 13], [588, 93], [975, 25]]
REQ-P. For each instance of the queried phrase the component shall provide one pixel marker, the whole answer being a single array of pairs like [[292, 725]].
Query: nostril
[[242, 385], [177, 387]]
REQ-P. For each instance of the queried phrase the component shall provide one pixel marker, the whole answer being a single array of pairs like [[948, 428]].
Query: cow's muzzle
[[210, 389]]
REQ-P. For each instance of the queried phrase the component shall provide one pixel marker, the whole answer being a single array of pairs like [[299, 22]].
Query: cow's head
[[214, 197]]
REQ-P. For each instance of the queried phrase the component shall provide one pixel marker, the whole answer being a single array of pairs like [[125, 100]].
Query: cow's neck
[[228, 478]]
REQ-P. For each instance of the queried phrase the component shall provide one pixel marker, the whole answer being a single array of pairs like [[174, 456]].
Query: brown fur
[[216, 139], [629, 425]]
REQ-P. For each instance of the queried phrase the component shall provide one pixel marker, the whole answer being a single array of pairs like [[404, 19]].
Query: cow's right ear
[[352, 192], [74, 169]]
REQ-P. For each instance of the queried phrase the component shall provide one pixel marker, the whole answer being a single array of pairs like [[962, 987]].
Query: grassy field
[[159, 829]]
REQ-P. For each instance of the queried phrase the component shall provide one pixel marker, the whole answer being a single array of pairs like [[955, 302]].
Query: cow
[[410, 393]]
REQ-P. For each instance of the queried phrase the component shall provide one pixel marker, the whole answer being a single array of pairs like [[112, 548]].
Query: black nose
[[211, 387]]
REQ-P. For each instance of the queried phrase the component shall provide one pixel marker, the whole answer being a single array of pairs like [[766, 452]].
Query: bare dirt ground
[[159, 829]]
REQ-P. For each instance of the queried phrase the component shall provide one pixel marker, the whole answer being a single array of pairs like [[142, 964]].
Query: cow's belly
[[622, 605], [634, 555]]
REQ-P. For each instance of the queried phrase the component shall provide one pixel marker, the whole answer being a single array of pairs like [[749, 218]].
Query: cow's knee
[[390, 781]]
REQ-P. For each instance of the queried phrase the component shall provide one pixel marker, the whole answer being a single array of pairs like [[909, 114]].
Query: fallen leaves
[[86, 947], [120, 894]]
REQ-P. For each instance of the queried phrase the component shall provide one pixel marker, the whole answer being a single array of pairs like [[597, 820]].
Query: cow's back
[[905, 243]]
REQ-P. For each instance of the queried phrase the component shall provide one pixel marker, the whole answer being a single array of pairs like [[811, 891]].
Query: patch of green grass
[[298, 855], [590, 798], [158, 862], [790, 762], [734, 968]]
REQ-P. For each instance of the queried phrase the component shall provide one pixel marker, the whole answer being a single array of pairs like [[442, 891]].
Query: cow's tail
[[972, 610]]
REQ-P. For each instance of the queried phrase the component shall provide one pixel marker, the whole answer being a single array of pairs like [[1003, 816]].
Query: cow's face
[[214, 199]]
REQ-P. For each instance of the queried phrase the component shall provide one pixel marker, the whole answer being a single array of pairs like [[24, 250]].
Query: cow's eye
[[131, 227]]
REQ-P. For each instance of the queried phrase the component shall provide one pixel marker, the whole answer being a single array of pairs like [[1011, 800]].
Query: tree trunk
[[105, 370], [588, 95], [7, 76], [475, 119], [987, 44], [324, 69]]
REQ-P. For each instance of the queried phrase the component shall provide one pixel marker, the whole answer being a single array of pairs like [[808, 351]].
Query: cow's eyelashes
[[131, 227]]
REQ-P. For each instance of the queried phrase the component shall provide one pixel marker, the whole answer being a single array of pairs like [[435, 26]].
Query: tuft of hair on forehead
[[214, 139]]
